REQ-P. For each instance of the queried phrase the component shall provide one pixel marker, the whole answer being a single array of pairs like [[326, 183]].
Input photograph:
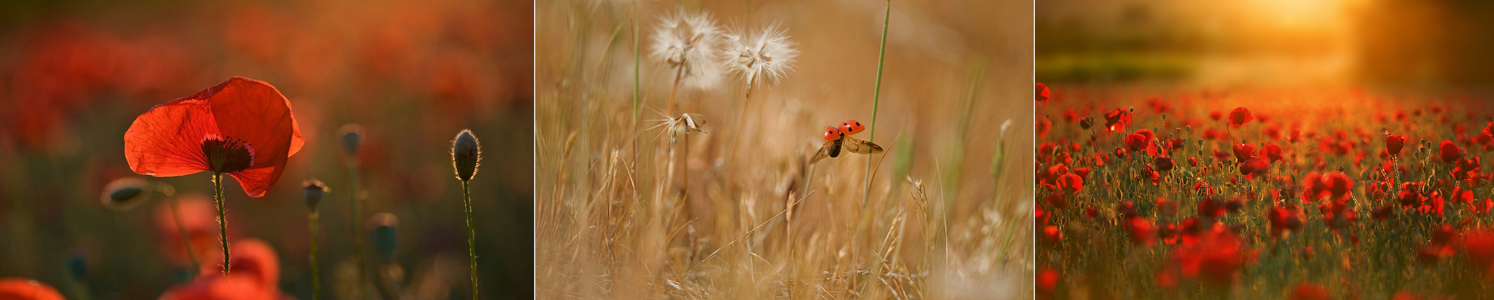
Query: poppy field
[[1160, 192], [779, 149], [285, 150]]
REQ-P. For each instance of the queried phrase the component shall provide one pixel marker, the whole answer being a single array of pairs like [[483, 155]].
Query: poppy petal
[[255, 112], [166, 141]]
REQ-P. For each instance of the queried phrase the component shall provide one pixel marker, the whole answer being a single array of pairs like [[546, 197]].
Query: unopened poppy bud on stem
[[351, 135], [313, 192], [125, 193], [465, 154]]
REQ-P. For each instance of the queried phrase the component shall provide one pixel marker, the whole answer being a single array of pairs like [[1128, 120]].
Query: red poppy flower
[[1047, 280], [1135, 142], [1255, 167], [256, 276], [1394, 143], [1163, 163], [1217, 256], [1450, 151], [1051, 235], [1117, 120], [1243, 152], [1043, 126], [1042, 93], [242, 127], [1273, 152], [1309, 291], [1239, 117], [1479, 245], [1140, 231], [27, 289], [1071, 182]]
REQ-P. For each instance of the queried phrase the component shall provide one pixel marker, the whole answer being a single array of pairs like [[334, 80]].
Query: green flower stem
[[222, 219], [471, 237], [181, 230], [876, 97], [316, 277], [353, 220]]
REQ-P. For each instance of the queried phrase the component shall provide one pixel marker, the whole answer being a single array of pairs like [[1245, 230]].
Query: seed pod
[[126, 193], [465, 154], [313, 191], [383, 229], [351, 136]]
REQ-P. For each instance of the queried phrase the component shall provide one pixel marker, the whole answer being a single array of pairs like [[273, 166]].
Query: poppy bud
[[125, 193], [351, 136], [383, 228], [313, 192], [465, 154]]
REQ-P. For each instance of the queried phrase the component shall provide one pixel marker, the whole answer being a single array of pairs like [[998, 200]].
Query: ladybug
[[831, 133], [851, 127]]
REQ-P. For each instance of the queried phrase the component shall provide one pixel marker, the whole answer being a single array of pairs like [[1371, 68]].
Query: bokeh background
[[74, 74], [1397, 43], [612, 226]]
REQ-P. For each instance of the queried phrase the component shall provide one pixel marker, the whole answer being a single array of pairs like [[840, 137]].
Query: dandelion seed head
[[690, 45], [764, 56]]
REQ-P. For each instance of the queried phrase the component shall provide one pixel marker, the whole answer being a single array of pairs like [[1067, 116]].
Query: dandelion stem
[[316, 278], [876, 96], [222, 219], [471, 237], [181, 230]]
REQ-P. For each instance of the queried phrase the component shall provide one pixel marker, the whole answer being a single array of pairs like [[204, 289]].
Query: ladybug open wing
[[859, 146], [824, 152]]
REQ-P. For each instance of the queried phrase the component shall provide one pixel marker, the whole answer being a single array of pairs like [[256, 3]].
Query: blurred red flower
[[1450, 152], [1239, 117], [1162, 163], [242, 127], [1272, 152], [1394, 143], [1071, 183], [1309, 291], [198, 217], [1140, 231], [1042, 93], [256, 275], [1216, 257], [1117, 120], [27, 289]]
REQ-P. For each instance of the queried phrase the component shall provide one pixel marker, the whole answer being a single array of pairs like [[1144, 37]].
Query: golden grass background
[[607, 227]]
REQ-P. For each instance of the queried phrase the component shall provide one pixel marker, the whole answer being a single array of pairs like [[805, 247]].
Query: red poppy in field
[[1047, 281], [1162, 163], [1272, 152], [1042, 93], [1166, 207], [1135, 142], [1394, 143], [256, 275], [1117, 120], [1284, 219], [1254, 167], [1243, 152], [242, 127], [1043, 126], [1140, 231], [27, 289], [1216, 257], [1239, 117], [1333, 184], [1466, 168], [1450, 152], [1479, 245], [1309, 291], [1216, 115], [1071, 183], [1052, 235]]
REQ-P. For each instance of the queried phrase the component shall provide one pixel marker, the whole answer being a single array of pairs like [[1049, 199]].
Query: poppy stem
[[471, 237], [222, 219], [353, 219], [181, 230], [316, 278]]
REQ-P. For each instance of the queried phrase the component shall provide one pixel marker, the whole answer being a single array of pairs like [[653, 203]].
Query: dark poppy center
[[227, 154]]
